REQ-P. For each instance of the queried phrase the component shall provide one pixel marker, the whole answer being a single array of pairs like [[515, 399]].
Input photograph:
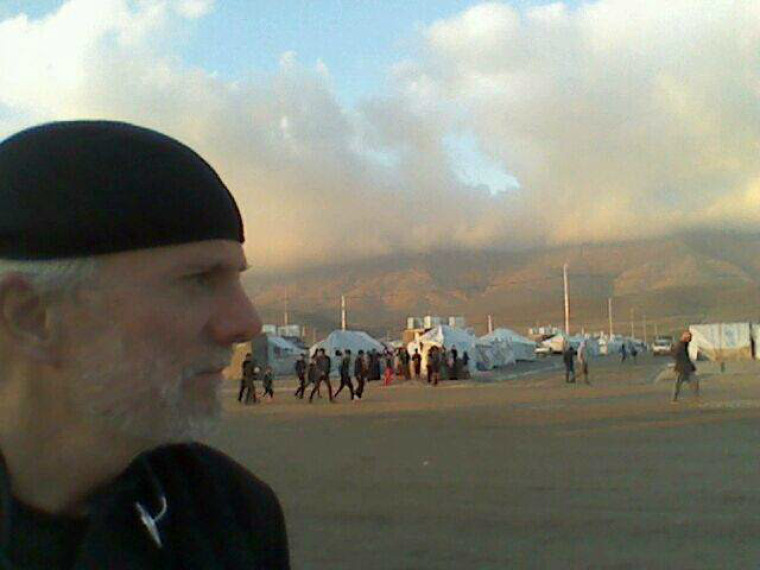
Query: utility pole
[[645, 329], [343, 312], [632, 335], [567, 301], [490, 324], [656, 334], [609, 313], [286, 308]]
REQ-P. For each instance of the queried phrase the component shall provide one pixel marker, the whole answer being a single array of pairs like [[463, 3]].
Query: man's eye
[[202, 279]]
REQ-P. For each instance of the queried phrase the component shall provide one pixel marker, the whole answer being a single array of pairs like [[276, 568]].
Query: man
[[243, 373], [250, 375], [324, 366], [345, 372], [623, 353], [435, 358], [301, 373], [417, 362], [583, 358], [361, 369], [684, 367], [120, 305], [568, 357], [454, 374]]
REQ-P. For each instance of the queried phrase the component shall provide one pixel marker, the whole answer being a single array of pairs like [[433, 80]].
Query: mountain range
[[659, 285]]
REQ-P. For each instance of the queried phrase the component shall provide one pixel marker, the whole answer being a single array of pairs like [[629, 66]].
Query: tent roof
[[506, 334], [282, 343], [448, 336], [351, 340]]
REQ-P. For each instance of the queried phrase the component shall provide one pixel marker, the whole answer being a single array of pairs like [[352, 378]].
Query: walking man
[[684, 367], [361, 367], [568, 357], [583, 358], [345, 372], [323, 374], [243, 376], [623, 352], [250, 375], [301, 373]]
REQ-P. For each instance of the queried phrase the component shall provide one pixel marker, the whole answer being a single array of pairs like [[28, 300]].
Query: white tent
[[721, 341], [522, 348], [592, 345], [493, 353], [610, 345], [347, 340], [450, 337], [277, 352]]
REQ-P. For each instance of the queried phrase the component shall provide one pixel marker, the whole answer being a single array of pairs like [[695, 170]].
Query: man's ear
[[25, 319]]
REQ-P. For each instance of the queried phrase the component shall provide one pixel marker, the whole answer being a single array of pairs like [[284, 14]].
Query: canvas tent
[[347, 340], [721, 341], [521, 348], [277, 352], [493, 353]]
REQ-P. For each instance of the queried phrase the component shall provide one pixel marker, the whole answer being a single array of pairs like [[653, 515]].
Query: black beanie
[[80, 188]]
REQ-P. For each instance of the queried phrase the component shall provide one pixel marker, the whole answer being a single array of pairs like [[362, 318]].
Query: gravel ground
[[517, 470]]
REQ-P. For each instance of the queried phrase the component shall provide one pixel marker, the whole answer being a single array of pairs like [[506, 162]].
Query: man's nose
[[236, 320]]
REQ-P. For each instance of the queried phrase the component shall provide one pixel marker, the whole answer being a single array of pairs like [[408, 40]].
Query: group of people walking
[[355, 371]]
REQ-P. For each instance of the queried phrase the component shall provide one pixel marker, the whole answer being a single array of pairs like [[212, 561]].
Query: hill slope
[[670, 282]]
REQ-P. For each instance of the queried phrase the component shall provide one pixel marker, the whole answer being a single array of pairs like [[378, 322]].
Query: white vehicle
[[662, 346]]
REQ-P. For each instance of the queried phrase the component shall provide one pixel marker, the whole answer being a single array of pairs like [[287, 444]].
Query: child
[[268, 383]]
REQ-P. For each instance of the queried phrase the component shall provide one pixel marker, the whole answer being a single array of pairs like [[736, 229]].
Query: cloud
[[618, 119]]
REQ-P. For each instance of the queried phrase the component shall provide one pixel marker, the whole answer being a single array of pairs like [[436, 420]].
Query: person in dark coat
[[684, 367], [250, 375], [300, 367], [455, 364], [375, 371], [345, 372], [405, 363], [465, 365], [113, 339], [361, 366], [568, 357], [417, 362], [623, 353], [268, 382], [243, 378], [323, 364], [434, 358]]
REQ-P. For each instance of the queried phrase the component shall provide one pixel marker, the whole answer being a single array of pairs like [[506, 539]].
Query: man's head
[[686, 336], [338, 353], [120, 292]]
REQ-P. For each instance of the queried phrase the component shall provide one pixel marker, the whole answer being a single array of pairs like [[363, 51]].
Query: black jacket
[[681, 356], [217, 515]]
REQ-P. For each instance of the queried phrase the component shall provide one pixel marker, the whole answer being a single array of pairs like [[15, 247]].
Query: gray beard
[[141, 400]]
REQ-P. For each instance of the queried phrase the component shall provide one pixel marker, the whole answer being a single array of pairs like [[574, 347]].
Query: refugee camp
[[379, 285]]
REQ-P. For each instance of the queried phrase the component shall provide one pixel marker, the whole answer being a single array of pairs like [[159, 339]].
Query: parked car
[[662, 346]]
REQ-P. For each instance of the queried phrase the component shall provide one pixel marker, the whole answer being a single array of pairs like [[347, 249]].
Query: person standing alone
[[684, 367]]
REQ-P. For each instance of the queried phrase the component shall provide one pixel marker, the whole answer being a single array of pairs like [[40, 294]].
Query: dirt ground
[[522, 472]]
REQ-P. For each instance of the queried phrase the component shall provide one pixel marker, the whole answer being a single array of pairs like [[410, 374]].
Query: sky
[[351, 129]]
